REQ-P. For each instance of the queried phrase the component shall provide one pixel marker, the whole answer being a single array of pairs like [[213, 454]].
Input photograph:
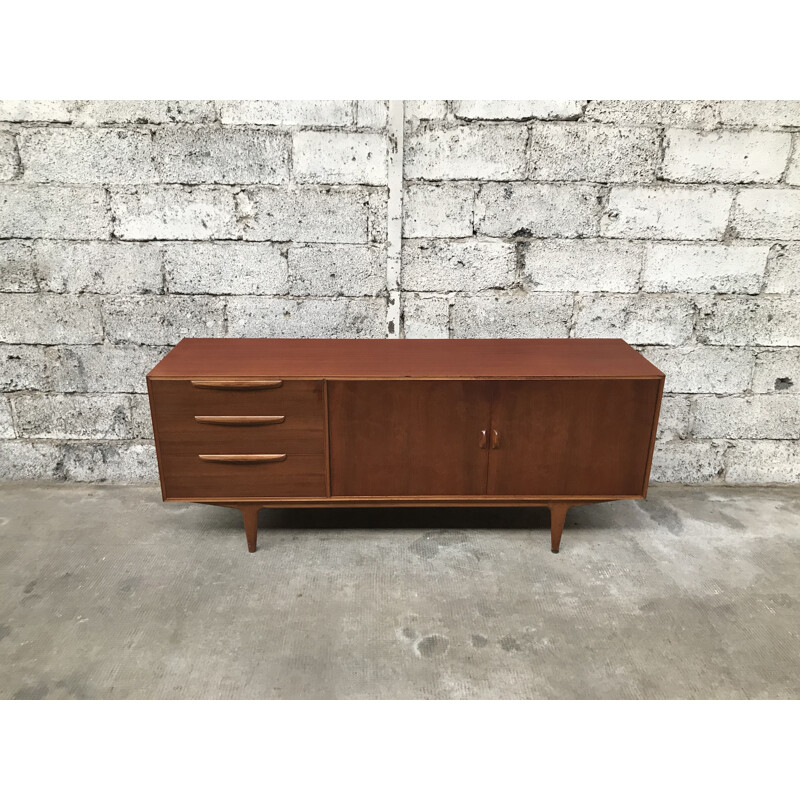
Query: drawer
[[186, 475], [283, 418]]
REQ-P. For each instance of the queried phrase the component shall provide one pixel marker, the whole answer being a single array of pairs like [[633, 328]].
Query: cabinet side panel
[[408, 438], [560, 437]]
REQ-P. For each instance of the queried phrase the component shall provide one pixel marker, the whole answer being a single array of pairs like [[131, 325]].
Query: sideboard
[[252, 423]]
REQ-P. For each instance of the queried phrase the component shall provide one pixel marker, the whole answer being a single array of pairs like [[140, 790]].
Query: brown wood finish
[[558, 515], [302, 423], [408, 437], [249, 458], [562, 438], [367, 359], [238, 385], [295, 411], [240, 420]]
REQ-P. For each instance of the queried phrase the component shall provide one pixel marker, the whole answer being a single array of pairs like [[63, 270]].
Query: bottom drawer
[[186, 475]]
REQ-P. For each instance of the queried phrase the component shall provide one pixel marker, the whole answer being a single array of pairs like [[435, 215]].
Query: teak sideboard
[[250, 423]]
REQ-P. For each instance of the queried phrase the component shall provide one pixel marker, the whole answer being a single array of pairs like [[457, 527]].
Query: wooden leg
[[558, 513], [250, 514]]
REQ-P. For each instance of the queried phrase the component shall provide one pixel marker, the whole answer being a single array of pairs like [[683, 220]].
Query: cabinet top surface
[[404, 358]]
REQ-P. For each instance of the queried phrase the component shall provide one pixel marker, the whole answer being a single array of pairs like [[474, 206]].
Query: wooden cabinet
[[250, 423]]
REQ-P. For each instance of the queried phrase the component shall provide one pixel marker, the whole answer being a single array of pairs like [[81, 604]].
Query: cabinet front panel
[[571, 437], [288, 418], [186, 475], [408, 438]]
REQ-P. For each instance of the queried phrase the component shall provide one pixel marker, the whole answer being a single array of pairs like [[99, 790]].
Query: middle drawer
[[288, 419]]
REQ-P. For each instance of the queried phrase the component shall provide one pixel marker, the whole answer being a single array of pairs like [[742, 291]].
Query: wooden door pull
[[245, 421], [495, 440], [254, 458], [482, 440], [240, 385]]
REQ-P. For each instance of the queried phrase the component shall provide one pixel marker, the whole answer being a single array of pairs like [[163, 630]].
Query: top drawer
[[177, 404]]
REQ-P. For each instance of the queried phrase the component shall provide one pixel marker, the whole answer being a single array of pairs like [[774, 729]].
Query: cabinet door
[[571, 437], [408, 438]]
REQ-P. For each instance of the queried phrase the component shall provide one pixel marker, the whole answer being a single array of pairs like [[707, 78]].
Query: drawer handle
[[255, 458], [240, 421], [240, 385]]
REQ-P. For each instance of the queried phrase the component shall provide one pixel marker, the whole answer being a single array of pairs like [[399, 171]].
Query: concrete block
[[6, 421], [673, 419], [53, 212], [17, 267], [339, 157], [327, 113], [438, 210], [101, 368], [141, 112], [337, 269], [174, 212], [308, 318], [23, 367], [27, 461], [760, 113], [35, 110], [770, 321], [793, 172], [9, 162], [73, 416], [725, 156], [511, 315], [762, 462], [98, 267], [377, 215], [206, 154], [583, 265], [518, 109], [162, 320], [638, 318], [87, 155], [425, 109], [425, 316], [678, 113], [225, 268], [141, 420], [305, 214], [694, 368], [372, 113], [678, 461], [762, 416], [665, 212], [767, 214], [488, 152], [777, 371], [581, 152], [113, 462], [468, 266], [49, 319], [537, 210], [671, 267]]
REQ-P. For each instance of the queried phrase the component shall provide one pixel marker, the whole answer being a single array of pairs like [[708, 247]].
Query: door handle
[[482, 440], [495, 440]]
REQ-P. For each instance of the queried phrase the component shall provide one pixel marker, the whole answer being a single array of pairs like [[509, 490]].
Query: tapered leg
[[558, 513], [250, 514]]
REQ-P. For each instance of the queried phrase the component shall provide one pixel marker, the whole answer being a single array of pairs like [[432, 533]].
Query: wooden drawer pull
[[255, 458], [240, 385], [240, 421]]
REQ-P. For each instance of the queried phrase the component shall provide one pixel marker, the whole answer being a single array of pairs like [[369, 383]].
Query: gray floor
[[106, 592]]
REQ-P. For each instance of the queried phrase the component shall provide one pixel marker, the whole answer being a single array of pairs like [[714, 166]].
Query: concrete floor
[[106, 592]]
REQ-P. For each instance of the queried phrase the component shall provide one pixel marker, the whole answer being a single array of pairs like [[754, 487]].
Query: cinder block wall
[[125, 226]]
